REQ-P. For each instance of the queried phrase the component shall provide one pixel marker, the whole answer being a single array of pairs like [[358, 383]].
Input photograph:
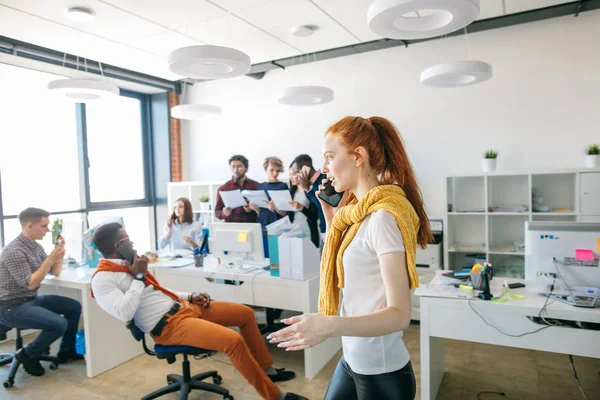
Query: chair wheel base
[[228, 397], [9, 383], [53, 366], [217, 379]]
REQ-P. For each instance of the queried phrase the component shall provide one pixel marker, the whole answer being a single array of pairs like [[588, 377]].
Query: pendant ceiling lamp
[[456, 74], [194, 111], [83, 90], [305, 95], [208, 62], [420, 19]]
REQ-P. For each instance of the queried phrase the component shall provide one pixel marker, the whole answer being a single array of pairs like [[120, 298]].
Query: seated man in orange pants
[[124, 288]]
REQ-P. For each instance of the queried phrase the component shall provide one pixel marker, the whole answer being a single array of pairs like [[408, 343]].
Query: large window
[[82, 163], [38, 144], [115, 150]]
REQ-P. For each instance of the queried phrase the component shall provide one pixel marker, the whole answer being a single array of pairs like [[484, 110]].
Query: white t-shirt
[[125, 298], [364, 293]]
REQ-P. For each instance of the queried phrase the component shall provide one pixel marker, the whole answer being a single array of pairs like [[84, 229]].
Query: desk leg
[[108, 342], [432, 362], [317, 357]]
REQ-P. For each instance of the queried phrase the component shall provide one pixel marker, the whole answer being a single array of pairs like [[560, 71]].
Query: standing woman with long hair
[[369, 258]]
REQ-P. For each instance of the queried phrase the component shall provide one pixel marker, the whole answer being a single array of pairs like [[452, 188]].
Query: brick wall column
[[175, 128]]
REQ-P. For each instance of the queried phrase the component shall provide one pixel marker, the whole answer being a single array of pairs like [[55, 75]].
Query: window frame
[[146, 157], [86, 205]]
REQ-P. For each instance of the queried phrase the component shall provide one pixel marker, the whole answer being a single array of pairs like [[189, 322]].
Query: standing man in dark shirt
[[309, 181], [23, 266], [239, 180]]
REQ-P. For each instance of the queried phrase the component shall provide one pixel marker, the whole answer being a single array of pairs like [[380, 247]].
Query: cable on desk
[[574, 371], [498, 329], [498, 393]]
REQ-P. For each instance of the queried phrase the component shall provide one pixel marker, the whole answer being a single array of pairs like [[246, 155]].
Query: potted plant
[[593, 156], [204, 203], [489, 161], [57, 227]]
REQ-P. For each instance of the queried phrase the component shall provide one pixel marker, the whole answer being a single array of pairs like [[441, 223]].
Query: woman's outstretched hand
[[304, 331]]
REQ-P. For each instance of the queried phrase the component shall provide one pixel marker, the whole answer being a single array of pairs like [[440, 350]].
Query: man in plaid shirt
[[23, 266], [239, 180]]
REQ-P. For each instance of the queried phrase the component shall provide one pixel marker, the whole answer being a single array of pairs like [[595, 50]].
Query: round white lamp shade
[[456, 74], [305, 95], [194, 111], [83, 90], [209, 62], [420, 19]]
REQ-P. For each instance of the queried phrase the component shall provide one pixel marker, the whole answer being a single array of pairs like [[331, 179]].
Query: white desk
[[108, 342], [453, 318], [257, 288]]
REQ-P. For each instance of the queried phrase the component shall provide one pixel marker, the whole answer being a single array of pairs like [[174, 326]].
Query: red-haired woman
[[369, 257]]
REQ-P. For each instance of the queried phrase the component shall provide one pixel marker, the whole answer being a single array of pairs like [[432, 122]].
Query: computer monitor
[[563, 253], [242, 241]]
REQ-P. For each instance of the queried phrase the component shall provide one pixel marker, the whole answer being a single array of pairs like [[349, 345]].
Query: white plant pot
[[489, 164], [593, 160], [204, 206]]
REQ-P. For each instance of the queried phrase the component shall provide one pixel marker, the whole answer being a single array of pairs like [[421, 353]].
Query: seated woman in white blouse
[[181, 231]]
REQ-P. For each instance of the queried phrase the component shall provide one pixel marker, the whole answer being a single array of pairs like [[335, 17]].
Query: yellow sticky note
[[598, 245], [242, 237]]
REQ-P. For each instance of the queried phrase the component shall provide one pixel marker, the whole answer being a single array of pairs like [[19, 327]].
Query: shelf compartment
[[466, 193], [466, 233], [461, 259], [557, 190], [507, 233], [508, 190], [508, 265]]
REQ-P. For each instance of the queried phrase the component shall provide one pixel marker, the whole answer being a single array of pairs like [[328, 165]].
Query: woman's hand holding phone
[[328, 209]]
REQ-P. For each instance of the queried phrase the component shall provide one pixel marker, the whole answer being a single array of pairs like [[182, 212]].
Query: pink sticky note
[[584, 255]]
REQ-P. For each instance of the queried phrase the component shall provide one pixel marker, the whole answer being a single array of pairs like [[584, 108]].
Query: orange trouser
[[207, 328]]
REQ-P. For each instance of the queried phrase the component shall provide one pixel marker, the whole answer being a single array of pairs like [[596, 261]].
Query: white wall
[[539, 110]]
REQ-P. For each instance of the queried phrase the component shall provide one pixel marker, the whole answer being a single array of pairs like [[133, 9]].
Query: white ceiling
[[139, 34]]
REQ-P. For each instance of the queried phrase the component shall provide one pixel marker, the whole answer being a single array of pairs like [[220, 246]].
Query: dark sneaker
[[293, 396], [282, 375], [31, 365], [64, 357]]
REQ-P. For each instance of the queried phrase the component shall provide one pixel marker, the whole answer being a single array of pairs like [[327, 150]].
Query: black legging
[[348, 385]]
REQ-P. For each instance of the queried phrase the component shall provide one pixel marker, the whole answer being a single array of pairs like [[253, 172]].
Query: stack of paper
[[282, 199], [258, 197], [233, 198]]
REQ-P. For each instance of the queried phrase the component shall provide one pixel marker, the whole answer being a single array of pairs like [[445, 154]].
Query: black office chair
[[13, 361], [184, 383]]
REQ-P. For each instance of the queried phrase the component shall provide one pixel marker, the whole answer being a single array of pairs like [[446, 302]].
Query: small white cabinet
[[589, 187]]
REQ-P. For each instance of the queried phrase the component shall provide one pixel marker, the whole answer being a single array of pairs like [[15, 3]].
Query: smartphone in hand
[[127, 253], [330, 196]]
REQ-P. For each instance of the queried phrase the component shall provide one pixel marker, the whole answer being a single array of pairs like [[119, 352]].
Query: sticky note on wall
[[242, 237], [584, 255], [598, 245]]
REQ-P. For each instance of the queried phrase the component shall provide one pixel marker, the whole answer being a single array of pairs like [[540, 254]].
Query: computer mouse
[[178, 256]]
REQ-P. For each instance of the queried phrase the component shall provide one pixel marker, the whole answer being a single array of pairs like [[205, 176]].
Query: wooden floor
[[470, 369]]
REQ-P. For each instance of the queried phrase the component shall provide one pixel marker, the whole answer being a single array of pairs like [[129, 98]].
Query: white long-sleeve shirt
[[126, 298]]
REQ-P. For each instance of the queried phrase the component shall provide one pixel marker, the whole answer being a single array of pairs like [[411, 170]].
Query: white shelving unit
[[473, 229], [193, 191]]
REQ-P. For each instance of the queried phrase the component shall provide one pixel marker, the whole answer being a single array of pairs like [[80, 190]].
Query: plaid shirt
[[237, 214], [19, 259]]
